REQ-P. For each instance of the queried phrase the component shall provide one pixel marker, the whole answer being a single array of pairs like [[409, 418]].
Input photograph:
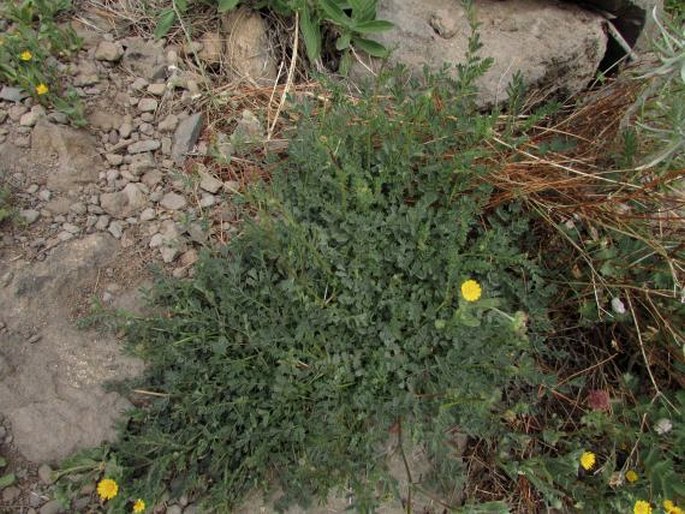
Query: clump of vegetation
[[415, 270], [29, 49]]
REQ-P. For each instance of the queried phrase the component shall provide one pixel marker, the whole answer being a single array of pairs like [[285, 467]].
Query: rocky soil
[[96, 207]]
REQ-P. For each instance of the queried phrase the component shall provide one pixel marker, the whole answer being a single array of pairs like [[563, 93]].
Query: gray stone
[[141, 163], [147, 145], [186, 135], [102, 222], [168, 253], [29, 215], [146, 129], [156, 89], [3, 116], [73, 151], [148, 214], [45, 474], [152, 178], [174, 509], [247, 51], [16, 112], [520, 35], [78, 208], [124, 203], [71, 228], [139, 84], [125, 129], [173, 201], [12, 94], [11, 493], [45, 195], [52, 507], [166, 146], [114, 159], [168, 124], [31, 118], [209, 183], [109, 51], [58, 117], [147, 105], [65, 236], [116, 228], [207, 200]]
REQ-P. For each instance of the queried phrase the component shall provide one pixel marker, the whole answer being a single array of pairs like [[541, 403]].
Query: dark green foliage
[[337, 313]]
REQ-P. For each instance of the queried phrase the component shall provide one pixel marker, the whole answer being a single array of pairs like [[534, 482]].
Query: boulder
[[247, 51], [556, 46]]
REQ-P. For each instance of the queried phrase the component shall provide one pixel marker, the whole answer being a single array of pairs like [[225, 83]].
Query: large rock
[[247, 50], [556, 46], [51, 391], [71, 153]]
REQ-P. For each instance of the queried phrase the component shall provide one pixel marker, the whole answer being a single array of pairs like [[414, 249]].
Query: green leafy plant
[[373, 291], [351, 21], [28, 49], [5, 479]]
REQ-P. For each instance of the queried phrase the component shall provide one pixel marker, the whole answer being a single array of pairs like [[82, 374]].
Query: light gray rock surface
[[51, 392], [72, 154], [556, 46]]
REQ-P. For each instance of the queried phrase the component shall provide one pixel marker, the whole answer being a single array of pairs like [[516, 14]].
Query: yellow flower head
[[471, 290], [107, 489], [41, 89], [672, 508], [588, 460], [642, 507], [139, 506], [26, 55], [631, 476]]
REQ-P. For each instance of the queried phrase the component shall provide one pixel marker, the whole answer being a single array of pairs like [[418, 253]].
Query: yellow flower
[[26, 55], [107, 489], [642, 507], [471, 290], [588, 460], [41, 89], [672, 508], [631, 476], [139, 506]]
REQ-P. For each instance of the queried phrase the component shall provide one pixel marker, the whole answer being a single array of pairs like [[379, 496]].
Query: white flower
[[663, 426], [618, 306]]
